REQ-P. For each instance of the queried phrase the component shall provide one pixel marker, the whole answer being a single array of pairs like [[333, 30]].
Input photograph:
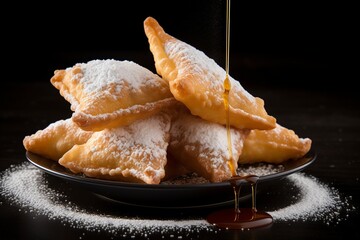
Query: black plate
[[164, 195]]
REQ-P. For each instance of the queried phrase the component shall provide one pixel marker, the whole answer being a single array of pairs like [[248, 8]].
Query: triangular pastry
[[110, 93], [201, 146], [133, 153], [197, 81], [56, 139], [274, 146]]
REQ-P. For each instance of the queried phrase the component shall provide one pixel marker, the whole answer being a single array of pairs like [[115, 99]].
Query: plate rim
[[311, 155]]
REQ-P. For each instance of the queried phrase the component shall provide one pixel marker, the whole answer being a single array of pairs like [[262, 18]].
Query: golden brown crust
[[201, 146], [110, 93], [122, 117], [133, 153], [157, 38], [56, 139], [197, 81], [274, 146]]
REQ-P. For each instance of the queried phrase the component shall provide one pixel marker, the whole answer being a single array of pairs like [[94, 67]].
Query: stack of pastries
[[130, 124]]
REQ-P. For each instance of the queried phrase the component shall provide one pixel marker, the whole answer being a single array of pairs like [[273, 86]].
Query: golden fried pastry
[[197, 81], [201, 146], [133, 153], [273, 146], [111, 93], [56, 139]]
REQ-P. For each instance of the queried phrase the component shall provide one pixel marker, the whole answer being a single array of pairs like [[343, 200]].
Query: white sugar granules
[[25, 185], [317, 202]]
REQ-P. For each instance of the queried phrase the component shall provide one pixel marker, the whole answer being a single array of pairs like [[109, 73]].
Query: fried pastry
[[133, 153], [56, 139], [201, 146], [197, 81], [110, 93], [274, 146]]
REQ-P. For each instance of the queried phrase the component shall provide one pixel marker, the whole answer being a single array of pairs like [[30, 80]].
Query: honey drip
[[237, 218], [241, 218]]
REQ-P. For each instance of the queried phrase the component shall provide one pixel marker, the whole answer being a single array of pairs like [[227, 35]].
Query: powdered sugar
[[210, 138], [26, 186], [59, 137], [260, 169], [97, 75], [317, 202], [149, 134], [69, 131], [137, 150], [212, 75]]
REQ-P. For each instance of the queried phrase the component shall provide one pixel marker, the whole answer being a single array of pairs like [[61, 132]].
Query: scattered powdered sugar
[[260, 169], [25, 186], [317, 202]]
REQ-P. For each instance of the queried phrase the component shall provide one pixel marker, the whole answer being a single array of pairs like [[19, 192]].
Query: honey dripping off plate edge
[[241, 218]]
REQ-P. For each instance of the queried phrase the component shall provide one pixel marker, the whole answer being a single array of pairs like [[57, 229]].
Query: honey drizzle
[[238, 218], [227, 88]]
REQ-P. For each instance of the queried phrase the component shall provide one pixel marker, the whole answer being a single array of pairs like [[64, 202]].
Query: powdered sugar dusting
[[195, 61], [68, 126], [25, 186], [137, 150], [97, 75], [149, 134], [210, 138]]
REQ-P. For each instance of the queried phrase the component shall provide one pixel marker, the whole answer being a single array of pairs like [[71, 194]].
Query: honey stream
[[236, 218]]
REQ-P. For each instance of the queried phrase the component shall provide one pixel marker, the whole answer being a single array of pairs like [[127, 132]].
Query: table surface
[[329, 118]]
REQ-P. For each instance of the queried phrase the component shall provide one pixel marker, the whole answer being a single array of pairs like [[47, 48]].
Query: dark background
[[300, 57], [297, 44]]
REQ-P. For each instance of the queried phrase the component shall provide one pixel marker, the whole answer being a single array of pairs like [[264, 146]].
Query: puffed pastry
[[56, 139], [197, 81], [202, 147], [274, 146], [111, 93], [133, 153]]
